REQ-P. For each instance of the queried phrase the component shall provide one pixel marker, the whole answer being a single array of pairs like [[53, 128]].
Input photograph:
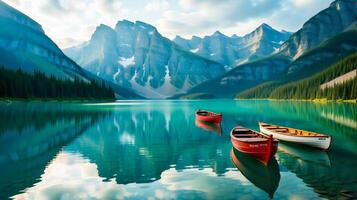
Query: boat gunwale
[[263, 136], [318, 135], [205, 111]]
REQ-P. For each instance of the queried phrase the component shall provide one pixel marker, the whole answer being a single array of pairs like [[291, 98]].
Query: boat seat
[[245, 135], [203, 114], [252, 139], [281, 129], [241, 129]]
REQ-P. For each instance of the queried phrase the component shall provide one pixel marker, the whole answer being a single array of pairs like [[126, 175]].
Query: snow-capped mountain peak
[[137, 56], [234, 50]]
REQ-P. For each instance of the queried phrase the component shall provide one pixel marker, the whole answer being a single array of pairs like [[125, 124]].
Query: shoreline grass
[[306, 100]]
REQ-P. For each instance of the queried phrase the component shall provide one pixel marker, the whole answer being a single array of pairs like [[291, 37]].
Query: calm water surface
[[156, 150]]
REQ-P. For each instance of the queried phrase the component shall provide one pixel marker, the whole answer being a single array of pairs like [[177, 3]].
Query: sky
[[71, 22]]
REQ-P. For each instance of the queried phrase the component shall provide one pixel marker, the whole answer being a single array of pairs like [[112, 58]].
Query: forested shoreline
[[21, 85], [309, 88]]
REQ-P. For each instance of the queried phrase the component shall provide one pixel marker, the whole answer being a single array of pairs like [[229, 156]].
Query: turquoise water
[[155, 150]]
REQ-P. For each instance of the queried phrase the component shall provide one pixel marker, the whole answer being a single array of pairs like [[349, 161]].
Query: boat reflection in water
[[305, 153], [265, 177], [213, 127]]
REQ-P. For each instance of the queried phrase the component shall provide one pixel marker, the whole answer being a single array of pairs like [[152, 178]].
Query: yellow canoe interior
[[291, 131]]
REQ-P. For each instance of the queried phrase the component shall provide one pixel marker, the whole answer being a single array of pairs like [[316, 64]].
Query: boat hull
[[211, 119], [262, 151], [316, 142]]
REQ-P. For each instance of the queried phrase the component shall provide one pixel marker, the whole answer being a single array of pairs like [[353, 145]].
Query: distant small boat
[[208, 116], [265, 177], [215, 127], [287, 134], [253, 143]]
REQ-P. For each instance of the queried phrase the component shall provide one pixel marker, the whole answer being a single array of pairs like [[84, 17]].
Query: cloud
[[157, 5], [202, 16], [69, 22], [237, 16], [232, 10]]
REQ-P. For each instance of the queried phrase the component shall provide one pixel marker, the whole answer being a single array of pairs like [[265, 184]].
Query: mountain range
[[325, 56], [138, 62], [136, 56], [235, 50], [314, 47]]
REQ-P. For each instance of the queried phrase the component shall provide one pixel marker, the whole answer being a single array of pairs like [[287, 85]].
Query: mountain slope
[[23, 44], [23, 40], [310, 88], [231, 51], [271, 69], [309, 63], [340, 79], [322, 26], [136, 56], [240, 78]]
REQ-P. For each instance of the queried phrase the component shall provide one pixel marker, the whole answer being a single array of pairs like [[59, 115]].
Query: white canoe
[[287, 134]]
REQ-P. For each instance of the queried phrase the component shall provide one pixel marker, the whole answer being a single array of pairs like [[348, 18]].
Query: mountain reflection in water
[[142, 149]]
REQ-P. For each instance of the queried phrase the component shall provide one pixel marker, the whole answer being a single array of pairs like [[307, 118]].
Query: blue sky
[[70, 22]]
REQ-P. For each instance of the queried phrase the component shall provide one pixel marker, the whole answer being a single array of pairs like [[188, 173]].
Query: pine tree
[[18, 84]]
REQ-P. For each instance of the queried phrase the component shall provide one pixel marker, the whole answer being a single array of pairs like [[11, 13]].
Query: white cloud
[[236, 16], [69, 22], [157, 5], [302, 3]]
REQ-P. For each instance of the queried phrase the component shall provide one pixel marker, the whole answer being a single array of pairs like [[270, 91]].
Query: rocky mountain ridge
[[235, 50], [136, 56]]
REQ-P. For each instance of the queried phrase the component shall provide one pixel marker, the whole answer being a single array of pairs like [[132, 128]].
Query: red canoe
[[260, 146], [207, 116]]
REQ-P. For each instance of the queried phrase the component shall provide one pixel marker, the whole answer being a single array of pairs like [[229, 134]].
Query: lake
[[156, 150]]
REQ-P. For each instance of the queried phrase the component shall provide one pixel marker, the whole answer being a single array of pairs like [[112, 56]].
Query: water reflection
[[141, 149], [29, 140], [306, 154], [136, 147], [265, 177], [82, 180], [333, 182], [212, 127]]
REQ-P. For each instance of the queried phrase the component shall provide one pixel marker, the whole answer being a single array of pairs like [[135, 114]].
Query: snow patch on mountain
[[125, 62], [167, 87], [226, 50], [145, 90], [126, 45], [167, 77], [115, 75], [137, 56], [195, 50]]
